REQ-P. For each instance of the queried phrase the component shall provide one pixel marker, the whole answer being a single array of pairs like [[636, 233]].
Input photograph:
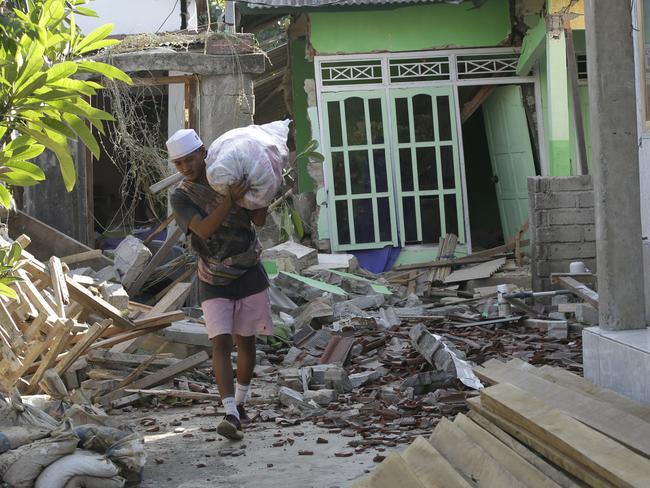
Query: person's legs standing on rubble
[[233, 286]]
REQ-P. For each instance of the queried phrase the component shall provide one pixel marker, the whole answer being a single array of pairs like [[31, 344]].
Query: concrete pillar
[[559, 130], [610, 66], [225, 102]]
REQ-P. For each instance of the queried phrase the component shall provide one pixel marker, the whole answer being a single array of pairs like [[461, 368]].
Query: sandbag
[[257, 153], [13, 437], [20, 467], [24, 414], [92, 482], [81, 463]]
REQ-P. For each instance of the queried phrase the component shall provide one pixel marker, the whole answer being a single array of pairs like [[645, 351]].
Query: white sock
[[241, 393], [230, 405]]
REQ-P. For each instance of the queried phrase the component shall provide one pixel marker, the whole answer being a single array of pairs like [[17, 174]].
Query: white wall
[[133, 16]]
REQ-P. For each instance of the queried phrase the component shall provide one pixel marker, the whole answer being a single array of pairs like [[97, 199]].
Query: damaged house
[[431, 116]]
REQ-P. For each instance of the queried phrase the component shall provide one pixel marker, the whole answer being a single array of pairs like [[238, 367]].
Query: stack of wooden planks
[[55, 320], [534, 427]]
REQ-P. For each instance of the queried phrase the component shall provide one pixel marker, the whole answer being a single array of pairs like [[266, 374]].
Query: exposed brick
[[559, 233], [586, 199], [571, 216], [555, 200]]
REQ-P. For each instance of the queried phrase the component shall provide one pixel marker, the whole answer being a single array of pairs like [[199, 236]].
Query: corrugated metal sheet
[[300, 4]]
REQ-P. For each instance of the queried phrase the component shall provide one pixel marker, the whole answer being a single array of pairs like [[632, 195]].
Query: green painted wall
[[302, 69], [412, 28]]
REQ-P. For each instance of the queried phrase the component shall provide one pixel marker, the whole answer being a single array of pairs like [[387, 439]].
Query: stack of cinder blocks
[[562, 225]]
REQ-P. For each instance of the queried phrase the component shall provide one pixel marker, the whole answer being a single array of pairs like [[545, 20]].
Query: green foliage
[[41, 49], [9, 257]]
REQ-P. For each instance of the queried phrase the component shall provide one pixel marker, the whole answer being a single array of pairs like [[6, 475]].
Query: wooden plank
[[33, 351], [393, 471], [80, 347], [81, 257], [174, 298], [483, 323], [586, 387], [600, 454], [116, 360], [477, 100], [189, 395], [34, 295], [506, 457], [61, 294], [578, 123], [446, 250], [601, 416], [126, 336], [477, 257], [162, 226], [159, 377], [469, 459], [480, 271], [81, 295], [548, 451], [166, 183], [56, 347], [137, 372], [183, 277], [550, 471], [155, 261], [580, 290], [8, 325], [430, 467]]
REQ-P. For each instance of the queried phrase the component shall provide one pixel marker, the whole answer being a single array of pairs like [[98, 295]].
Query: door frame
[[452, 58]]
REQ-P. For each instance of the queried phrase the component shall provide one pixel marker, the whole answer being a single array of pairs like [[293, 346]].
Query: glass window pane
[[342, 222], [451, 214], [410, 222], [406, 169], [448, 176], [355, 121], [364, 221], [376, 121], [334, 117], [338, 168], [430, 212], [427, 171], [402, 110], [381, 178], [359, 171], [444, 118], [423, 118], [385, 219]]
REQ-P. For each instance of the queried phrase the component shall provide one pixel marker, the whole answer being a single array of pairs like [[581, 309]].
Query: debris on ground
[[381, 359], [536, 426]]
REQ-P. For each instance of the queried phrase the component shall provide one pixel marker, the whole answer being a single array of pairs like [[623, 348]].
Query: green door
[[511, 155], [427, 164], [358, 171]]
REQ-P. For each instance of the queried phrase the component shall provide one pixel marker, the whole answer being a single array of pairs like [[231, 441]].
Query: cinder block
[[571, 216], [539, 219], [559, 233], [545, 268], [555, 200], [566, 183], [589, 233], [586, 199], [571, 251], [534, 184]]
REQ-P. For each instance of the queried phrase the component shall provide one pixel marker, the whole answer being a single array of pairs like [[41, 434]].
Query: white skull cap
[[182, 143]]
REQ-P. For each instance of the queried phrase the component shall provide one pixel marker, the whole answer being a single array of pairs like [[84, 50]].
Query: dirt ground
[[187, 453]]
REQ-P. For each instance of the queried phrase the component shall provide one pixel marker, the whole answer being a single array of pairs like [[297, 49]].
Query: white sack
[[81, 463], [258, 153]]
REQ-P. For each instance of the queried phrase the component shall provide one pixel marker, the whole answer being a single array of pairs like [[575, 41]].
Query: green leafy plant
[[43, 93], [9, 258]]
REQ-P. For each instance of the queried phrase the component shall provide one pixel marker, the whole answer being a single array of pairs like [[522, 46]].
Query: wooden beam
[[477, 100], [163, 80], [82, 256], [580, 290], [57, 279], [155, 261], [162, 226]]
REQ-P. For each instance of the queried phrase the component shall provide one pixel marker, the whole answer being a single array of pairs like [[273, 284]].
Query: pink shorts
[[246, 317]]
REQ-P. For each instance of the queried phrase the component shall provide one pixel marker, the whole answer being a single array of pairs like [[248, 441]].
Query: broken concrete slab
[[428, 381], [558, 329], [586, 314], [280, 302], [330, 376], [131, 257], [290, 377], [315, 313], [333, 261], [115, 294], [322, 397], [359, 379], [388, 318], [292, 398], [291, 256], [108, 273], [366, 302], [186, 332]]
